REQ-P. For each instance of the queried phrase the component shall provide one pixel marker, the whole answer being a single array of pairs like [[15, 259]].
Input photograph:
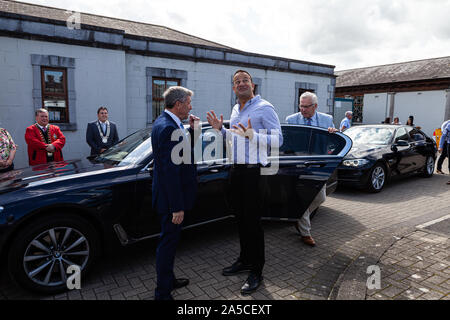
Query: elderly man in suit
[[101, 134], [309, 116], [174, 182]]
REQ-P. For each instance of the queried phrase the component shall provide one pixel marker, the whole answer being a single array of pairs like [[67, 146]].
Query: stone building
[[72, 63], [419, 88]]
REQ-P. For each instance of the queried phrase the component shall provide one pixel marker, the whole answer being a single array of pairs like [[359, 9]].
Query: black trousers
[[165, 256], [444, 154], [247, 199]]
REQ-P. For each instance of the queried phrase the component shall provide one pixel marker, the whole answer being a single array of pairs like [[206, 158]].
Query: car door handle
[[318, 164], [213, 170]]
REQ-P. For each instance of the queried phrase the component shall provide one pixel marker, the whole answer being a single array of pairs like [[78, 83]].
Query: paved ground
[[353, 230]]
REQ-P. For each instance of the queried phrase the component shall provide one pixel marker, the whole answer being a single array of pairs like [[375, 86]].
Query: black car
[[62, 214], [381, 152]]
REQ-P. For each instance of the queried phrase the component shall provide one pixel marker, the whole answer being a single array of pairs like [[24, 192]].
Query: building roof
[[29, 21], [429, 69], [130, 27]]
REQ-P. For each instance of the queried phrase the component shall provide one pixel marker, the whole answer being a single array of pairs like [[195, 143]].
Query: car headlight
[[355, 162]]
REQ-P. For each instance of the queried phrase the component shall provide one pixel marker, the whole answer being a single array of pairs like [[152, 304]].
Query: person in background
[[7, 151], [101, 134], [444, 152], [445, 138], [309, 116], [387, 120], [410, 121], [396, 121], [346, 122], [45, 141]]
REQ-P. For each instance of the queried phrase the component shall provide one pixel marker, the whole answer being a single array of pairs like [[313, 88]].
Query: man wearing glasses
[[309, 116]]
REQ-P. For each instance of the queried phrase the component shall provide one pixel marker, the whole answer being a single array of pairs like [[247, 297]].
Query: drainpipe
[[392, 106]]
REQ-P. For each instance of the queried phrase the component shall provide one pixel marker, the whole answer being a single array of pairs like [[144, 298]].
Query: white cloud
[[347, 34]]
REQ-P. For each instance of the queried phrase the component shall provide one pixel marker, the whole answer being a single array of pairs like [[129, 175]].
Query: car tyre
[[44, 249], [428, 169], [377, 178]]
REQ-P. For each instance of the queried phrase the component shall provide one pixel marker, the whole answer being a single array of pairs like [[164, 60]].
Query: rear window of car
[[307, 141]]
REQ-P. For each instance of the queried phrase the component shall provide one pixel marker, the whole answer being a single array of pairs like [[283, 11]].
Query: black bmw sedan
[[65, 214], [381, 152]]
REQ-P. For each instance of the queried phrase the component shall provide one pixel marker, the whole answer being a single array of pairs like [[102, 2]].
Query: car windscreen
[[131, 150], [370, 135]]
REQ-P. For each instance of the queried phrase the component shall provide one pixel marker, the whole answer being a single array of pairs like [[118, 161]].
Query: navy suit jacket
[[174, 185], [95, 141]]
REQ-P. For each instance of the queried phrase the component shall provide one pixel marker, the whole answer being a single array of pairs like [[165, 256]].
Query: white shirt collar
[[174, 117]]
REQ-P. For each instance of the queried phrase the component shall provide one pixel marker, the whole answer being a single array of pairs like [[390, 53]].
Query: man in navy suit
[[309, 116], [101, 134], [174, 182]]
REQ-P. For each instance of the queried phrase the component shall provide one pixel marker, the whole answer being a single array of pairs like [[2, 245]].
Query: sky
[[345, 33]]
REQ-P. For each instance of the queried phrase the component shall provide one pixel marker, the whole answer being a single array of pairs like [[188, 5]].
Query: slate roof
[[437, 68], [130, 27]]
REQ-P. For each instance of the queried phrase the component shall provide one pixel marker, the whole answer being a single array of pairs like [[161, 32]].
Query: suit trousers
[[305, 221], [165, 256], [247, 201], [444, 154]]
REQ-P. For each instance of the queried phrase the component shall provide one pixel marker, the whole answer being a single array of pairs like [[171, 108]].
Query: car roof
[[380, 125]]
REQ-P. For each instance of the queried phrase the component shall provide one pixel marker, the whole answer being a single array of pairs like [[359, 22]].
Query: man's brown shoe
[[308, 240], [439, 171]]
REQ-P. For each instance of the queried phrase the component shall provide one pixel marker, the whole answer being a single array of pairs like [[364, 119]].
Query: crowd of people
[[175, 185], [45, 141]]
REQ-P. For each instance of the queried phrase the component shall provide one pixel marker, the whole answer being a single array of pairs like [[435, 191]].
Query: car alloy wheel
[[48, 255], [428, 170], [377, 178], [45, 247]]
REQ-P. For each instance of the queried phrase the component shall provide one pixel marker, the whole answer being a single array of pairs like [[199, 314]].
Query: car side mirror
[[399, 143], [402, 143]]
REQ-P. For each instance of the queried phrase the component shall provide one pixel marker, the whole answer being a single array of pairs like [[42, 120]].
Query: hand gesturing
[[214, 121], [244, 131]]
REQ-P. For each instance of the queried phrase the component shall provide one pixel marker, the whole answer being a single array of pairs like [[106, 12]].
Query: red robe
[[37, 144]]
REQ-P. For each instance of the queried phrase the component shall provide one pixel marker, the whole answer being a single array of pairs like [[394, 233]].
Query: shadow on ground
[[290, 269]]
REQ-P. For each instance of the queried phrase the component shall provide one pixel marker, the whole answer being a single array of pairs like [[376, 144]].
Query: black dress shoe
[[180, 283], [236, 268], [252, 283]]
